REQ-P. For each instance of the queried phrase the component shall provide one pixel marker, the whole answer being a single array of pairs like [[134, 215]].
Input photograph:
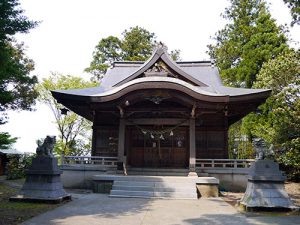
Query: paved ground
[[100, 209]]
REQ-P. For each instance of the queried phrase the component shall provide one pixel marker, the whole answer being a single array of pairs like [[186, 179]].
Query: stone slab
[[196, 180]]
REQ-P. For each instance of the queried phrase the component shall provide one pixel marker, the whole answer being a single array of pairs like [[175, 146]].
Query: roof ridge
[[161, 53]]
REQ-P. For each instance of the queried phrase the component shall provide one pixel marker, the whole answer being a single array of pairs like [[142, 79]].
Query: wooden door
[[170, 150]]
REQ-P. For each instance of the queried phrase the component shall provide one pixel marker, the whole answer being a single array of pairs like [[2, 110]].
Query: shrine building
[[161, 113]]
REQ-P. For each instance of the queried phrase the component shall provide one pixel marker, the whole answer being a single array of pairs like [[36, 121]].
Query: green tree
[[6, 140], [294, 6], [250, 39], [74, 135], [16, 84], [107, 51], [279, 119], [136, 44], [239, 144]]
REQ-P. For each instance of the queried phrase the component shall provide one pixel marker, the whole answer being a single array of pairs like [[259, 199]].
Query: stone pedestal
[[265, 188], [42, 182]]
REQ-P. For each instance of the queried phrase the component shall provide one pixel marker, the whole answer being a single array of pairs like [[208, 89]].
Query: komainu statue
[[46, 148], [43, 183], [260, 148]]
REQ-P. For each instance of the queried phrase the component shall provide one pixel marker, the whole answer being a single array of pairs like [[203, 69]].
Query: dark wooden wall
[[105, 141], [211, 138]]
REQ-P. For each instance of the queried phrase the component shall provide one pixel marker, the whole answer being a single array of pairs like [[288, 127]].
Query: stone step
[[183, 189], [155, 187], [154, 183], [157, 171], [203, 174], [154, 173], [153, 194], [163, 179], [167, 179]]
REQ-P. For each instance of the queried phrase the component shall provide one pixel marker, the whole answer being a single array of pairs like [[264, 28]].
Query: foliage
[[16, 85], [6, 140], [250, 39], [13, 20], [279, 119], [17, 165], [239, 144], [294, 6], [74, 135], [136, 44], [107, 51]]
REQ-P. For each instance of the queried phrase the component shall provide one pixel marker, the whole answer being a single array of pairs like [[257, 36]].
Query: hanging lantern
[[171, 133], [162, 137]]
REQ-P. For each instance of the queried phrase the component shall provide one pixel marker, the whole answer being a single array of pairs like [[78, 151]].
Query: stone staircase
[[157, 171], [155, 187]]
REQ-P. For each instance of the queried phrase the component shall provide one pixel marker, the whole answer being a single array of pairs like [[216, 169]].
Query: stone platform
[[42, 182], [170, 187], [265, 189]]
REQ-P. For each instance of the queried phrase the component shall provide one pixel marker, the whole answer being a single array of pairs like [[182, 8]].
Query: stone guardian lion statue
[[46, 148]]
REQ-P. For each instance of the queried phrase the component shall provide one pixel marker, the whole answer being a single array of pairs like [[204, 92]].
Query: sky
[[69, 30]]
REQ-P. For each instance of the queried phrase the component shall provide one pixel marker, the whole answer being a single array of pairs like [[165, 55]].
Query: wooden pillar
[[121, 141], [94, 138], [192, 161], [225, 148]]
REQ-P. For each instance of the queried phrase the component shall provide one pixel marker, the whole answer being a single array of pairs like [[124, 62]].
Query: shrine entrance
[[157, 147]]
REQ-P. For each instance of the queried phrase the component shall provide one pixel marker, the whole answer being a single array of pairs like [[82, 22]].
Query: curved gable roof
[[160, 54]]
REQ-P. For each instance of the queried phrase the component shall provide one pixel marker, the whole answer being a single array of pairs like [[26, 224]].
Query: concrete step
[[153, 173], [182, 189], [167, 179], [203, 174], [157, 172], [155, 194], [154, 183], [155, 187]]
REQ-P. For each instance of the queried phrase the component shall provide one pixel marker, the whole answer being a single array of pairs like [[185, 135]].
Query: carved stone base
[[42, 182], [266, 195], [265, 187]]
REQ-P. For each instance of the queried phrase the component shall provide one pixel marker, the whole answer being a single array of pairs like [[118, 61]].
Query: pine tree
[[250, 39]]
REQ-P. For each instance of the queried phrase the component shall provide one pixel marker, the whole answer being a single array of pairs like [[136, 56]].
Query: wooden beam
[[157, 121]]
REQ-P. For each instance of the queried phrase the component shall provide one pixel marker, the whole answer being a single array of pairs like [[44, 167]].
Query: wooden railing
[[200, 163], [90, 160], [224, 163]]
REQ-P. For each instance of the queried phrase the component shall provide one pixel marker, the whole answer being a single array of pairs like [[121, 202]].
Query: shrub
[[17, 164]]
